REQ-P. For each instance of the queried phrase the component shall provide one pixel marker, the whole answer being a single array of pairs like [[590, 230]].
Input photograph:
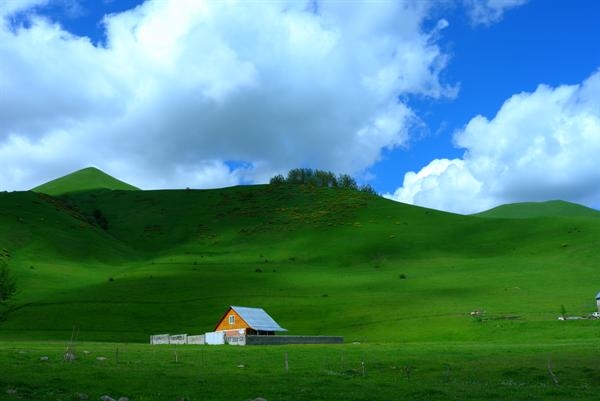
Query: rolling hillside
[[85, 179], [120, 265], [555, 208]]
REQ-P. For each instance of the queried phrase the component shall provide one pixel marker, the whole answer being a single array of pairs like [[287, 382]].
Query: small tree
[[325, 179], [347, 182], [368, 189], [295, 176], [277, 180]]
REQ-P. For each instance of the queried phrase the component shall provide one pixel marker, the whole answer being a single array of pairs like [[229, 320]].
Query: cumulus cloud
[[432, 185], [194, 93], [541, 145], [487, 12]]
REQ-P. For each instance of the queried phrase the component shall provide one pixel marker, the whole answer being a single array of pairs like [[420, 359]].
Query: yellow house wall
[[238, 324]]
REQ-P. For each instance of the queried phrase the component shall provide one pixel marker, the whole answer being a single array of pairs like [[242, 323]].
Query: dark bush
[[277, 180], [8, 284], [320, 178], [99, 219]]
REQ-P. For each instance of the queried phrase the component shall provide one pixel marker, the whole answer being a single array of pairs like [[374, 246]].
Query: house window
[[231, 319]]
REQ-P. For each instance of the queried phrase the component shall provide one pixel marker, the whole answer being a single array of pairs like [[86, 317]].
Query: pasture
[[412, 371], [398, 282]]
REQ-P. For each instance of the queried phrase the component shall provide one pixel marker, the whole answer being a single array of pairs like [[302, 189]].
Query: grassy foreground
[[424, 371]]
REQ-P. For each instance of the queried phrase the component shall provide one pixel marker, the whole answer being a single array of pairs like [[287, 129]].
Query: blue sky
[[540, 42], [456, 105]]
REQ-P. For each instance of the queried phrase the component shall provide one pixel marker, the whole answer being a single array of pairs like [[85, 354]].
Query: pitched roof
[[257, 319]]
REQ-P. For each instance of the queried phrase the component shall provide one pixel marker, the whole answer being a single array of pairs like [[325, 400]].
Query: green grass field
[[424, 371], [119, 265]]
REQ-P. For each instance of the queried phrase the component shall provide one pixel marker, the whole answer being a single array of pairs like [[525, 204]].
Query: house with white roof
[[248, 321]]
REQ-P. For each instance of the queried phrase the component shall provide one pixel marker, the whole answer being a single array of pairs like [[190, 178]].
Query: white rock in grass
[[44, 359], [107, 398]]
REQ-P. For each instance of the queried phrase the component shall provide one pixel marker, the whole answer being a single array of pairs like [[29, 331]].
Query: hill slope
[[319, 260], [86, 179], [555, 208]]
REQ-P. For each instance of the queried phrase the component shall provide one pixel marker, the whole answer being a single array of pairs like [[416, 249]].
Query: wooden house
[[248, 321]]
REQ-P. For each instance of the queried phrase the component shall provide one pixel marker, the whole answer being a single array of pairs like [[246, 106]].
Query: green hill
[[120, 265], [86, 179], [553, 208]]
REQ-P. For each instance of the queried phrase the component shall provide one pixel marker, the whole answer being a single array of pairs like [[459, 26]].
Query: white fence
[[215, 338], [233, 337], [158, 339], [199, 339], [178, 339]]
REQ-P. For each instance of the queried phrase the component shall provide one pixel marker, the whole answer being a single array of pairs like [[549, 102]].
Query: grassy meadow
[[387, 371], [398, 282]]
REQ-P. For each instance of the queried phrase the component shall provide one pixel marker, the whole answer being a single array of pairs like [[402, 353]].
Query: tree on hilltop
[[320, 178]]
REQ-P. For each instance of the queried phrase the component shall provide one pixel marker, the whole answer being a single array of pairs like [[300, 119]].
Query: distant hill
[[554, 208], [82, 180], [121, 265]]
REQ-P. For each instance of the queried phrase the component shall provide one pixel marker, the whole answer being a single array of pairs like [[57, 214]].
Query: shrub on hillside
[[277, 180], [8, 284], [99, 219]]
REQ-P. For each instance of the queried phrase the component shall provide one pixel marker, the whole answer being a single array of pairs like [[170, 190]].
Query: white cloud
[[539, 146], [487, 12], [182, 88], [444, 185]]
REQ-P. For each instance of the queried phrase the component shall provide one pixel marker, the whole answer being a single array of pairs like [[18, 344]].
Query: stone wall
[[282, 340]]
